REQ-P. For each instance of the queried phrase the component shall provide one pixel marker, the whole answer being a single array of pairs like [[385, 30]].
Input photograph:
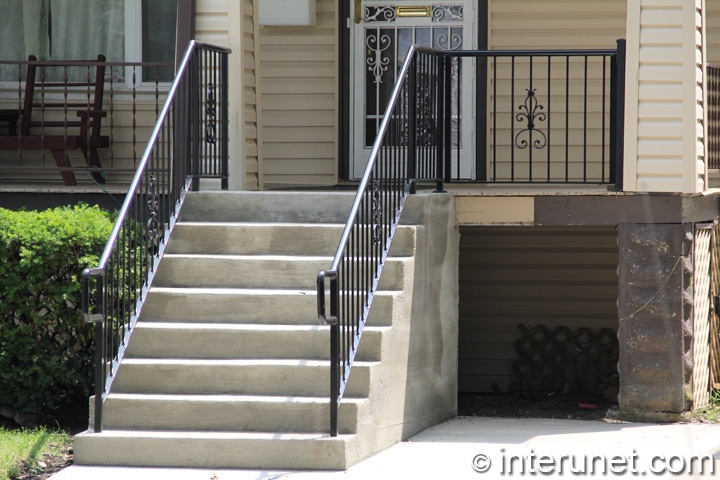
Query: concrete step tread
[[233, 291], [189, 362], [250, 257], [254, 224], [216, 435], [263, 224], [238, 257], [243, 327], [228, 398], [269, 292]]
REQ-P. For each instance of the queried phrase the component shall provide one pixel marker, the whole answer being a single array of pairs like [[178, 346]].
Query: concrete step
[[235, 305], [246, 450], [193, 340], [260, 271], [241, 413], [228, 366], [286, 207], [251, 377], [280, 238]]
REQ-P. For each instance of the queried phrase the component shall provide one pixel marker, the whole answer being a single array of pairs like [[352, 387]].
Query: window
[[122, 30]]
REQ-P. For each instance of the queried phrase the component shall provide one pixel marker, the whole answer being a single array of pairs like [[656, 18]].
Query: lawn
[[29, 450]]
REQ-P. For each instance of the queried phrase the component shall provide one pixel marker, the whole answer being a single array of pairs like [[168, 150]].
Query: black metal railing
[[713, 116], [543, 116], [190, 134], [408, 147], [420, 140]]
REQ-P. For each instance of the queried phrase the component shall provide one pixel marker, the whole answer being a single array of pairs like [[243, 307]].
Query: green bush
[[46, 349]]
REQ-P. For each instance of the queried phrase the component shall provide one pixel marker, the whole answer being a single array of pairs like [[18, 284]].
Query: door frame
[[344, 57]]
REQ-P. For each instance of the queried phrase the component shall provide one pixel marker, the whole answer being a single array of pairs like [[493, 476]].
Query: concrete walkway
[[479, 447]]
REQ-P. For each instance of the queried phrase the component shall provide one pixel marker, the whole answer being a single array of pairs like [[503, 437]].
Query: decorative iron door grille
[[384, 32]]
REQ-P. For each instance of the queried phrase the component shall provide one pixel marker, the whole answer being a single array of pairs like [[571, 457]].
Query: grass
[[709, 414], [24, 449]]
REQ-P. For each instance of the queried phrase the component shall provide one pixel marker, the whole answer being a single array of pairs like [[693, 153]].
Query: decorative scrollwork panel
[[385, 50], [210, 111], [531, 112]]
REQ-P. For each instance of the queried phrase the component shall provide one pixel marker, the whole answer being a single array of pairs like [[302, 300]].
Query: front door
[[382, 33]]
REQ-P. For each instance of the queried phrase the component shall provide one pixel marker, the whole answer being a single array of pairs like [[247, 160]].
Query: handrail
[[171, 164], [361, 254], [415, 142]]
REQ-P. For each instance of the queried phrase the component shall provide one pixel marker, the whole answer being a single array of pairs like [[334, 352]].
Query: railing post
[[224, 122], [334, 358], [100, 353], [447, 152], [194, 119], [440, 138], [617, 116], [412, 124]]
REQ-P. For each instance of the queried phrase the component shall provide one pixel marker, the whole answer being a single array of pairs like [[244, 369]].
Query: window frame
[[134, 47]]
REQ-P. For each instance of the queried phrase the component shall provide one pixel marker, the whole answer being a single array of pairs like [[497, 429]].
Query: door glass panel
[[387, 47], [382, 39]]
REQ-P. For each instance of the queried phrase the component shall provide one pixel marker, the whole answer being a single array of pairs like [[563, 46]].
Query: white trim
[[133, 37]]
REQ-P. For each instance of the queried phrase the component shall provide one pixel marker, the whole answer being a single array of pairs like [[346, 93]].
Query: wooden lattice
[[563, 360], [714, 320], [701, 317]]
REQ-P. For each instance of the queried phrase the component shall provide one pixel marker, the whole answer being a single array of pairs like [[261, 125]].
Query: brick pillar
[[655, 307]]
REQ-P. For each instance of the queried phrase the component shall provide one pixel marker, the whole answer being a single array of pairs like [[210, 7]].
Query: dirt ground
[[533, 406], [45, 467]]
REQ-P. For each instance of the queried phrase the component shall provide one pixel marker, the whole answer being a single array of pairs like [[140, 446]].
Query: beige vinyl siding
[[212, 21], [664, 107], [573, 114], [556, 24], [222, 22], [251, 141], [298, 74], [232, 23], [555, 276], [712, 31]]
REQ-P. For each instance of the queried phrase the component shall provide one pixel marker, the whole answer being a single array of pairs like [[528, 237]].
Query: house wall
[[664, 86], [233, 24], [555, 24], [299, 78], [712, 31], [251, 147], [531, 275]]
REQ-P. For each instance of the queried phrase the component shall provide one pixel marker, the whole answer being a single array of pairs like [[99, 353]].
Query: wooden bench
[[81, 132]]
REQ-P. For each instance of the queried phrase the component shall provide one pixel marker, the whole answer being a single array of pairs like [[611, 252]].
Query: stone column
[[655, 307]]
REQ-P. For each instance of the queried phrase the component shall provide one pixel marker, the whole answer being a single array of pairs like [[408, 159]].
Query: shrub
[[46, 349]]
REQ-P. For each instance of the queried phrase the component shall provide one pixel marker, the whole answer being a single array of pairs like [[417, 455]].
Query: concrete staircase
[[228, 367]]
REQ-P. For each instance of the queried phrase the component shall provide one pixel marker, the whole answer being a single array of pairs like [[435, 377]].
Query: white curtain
[[82, 29], [60, 30], [23, 32]]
